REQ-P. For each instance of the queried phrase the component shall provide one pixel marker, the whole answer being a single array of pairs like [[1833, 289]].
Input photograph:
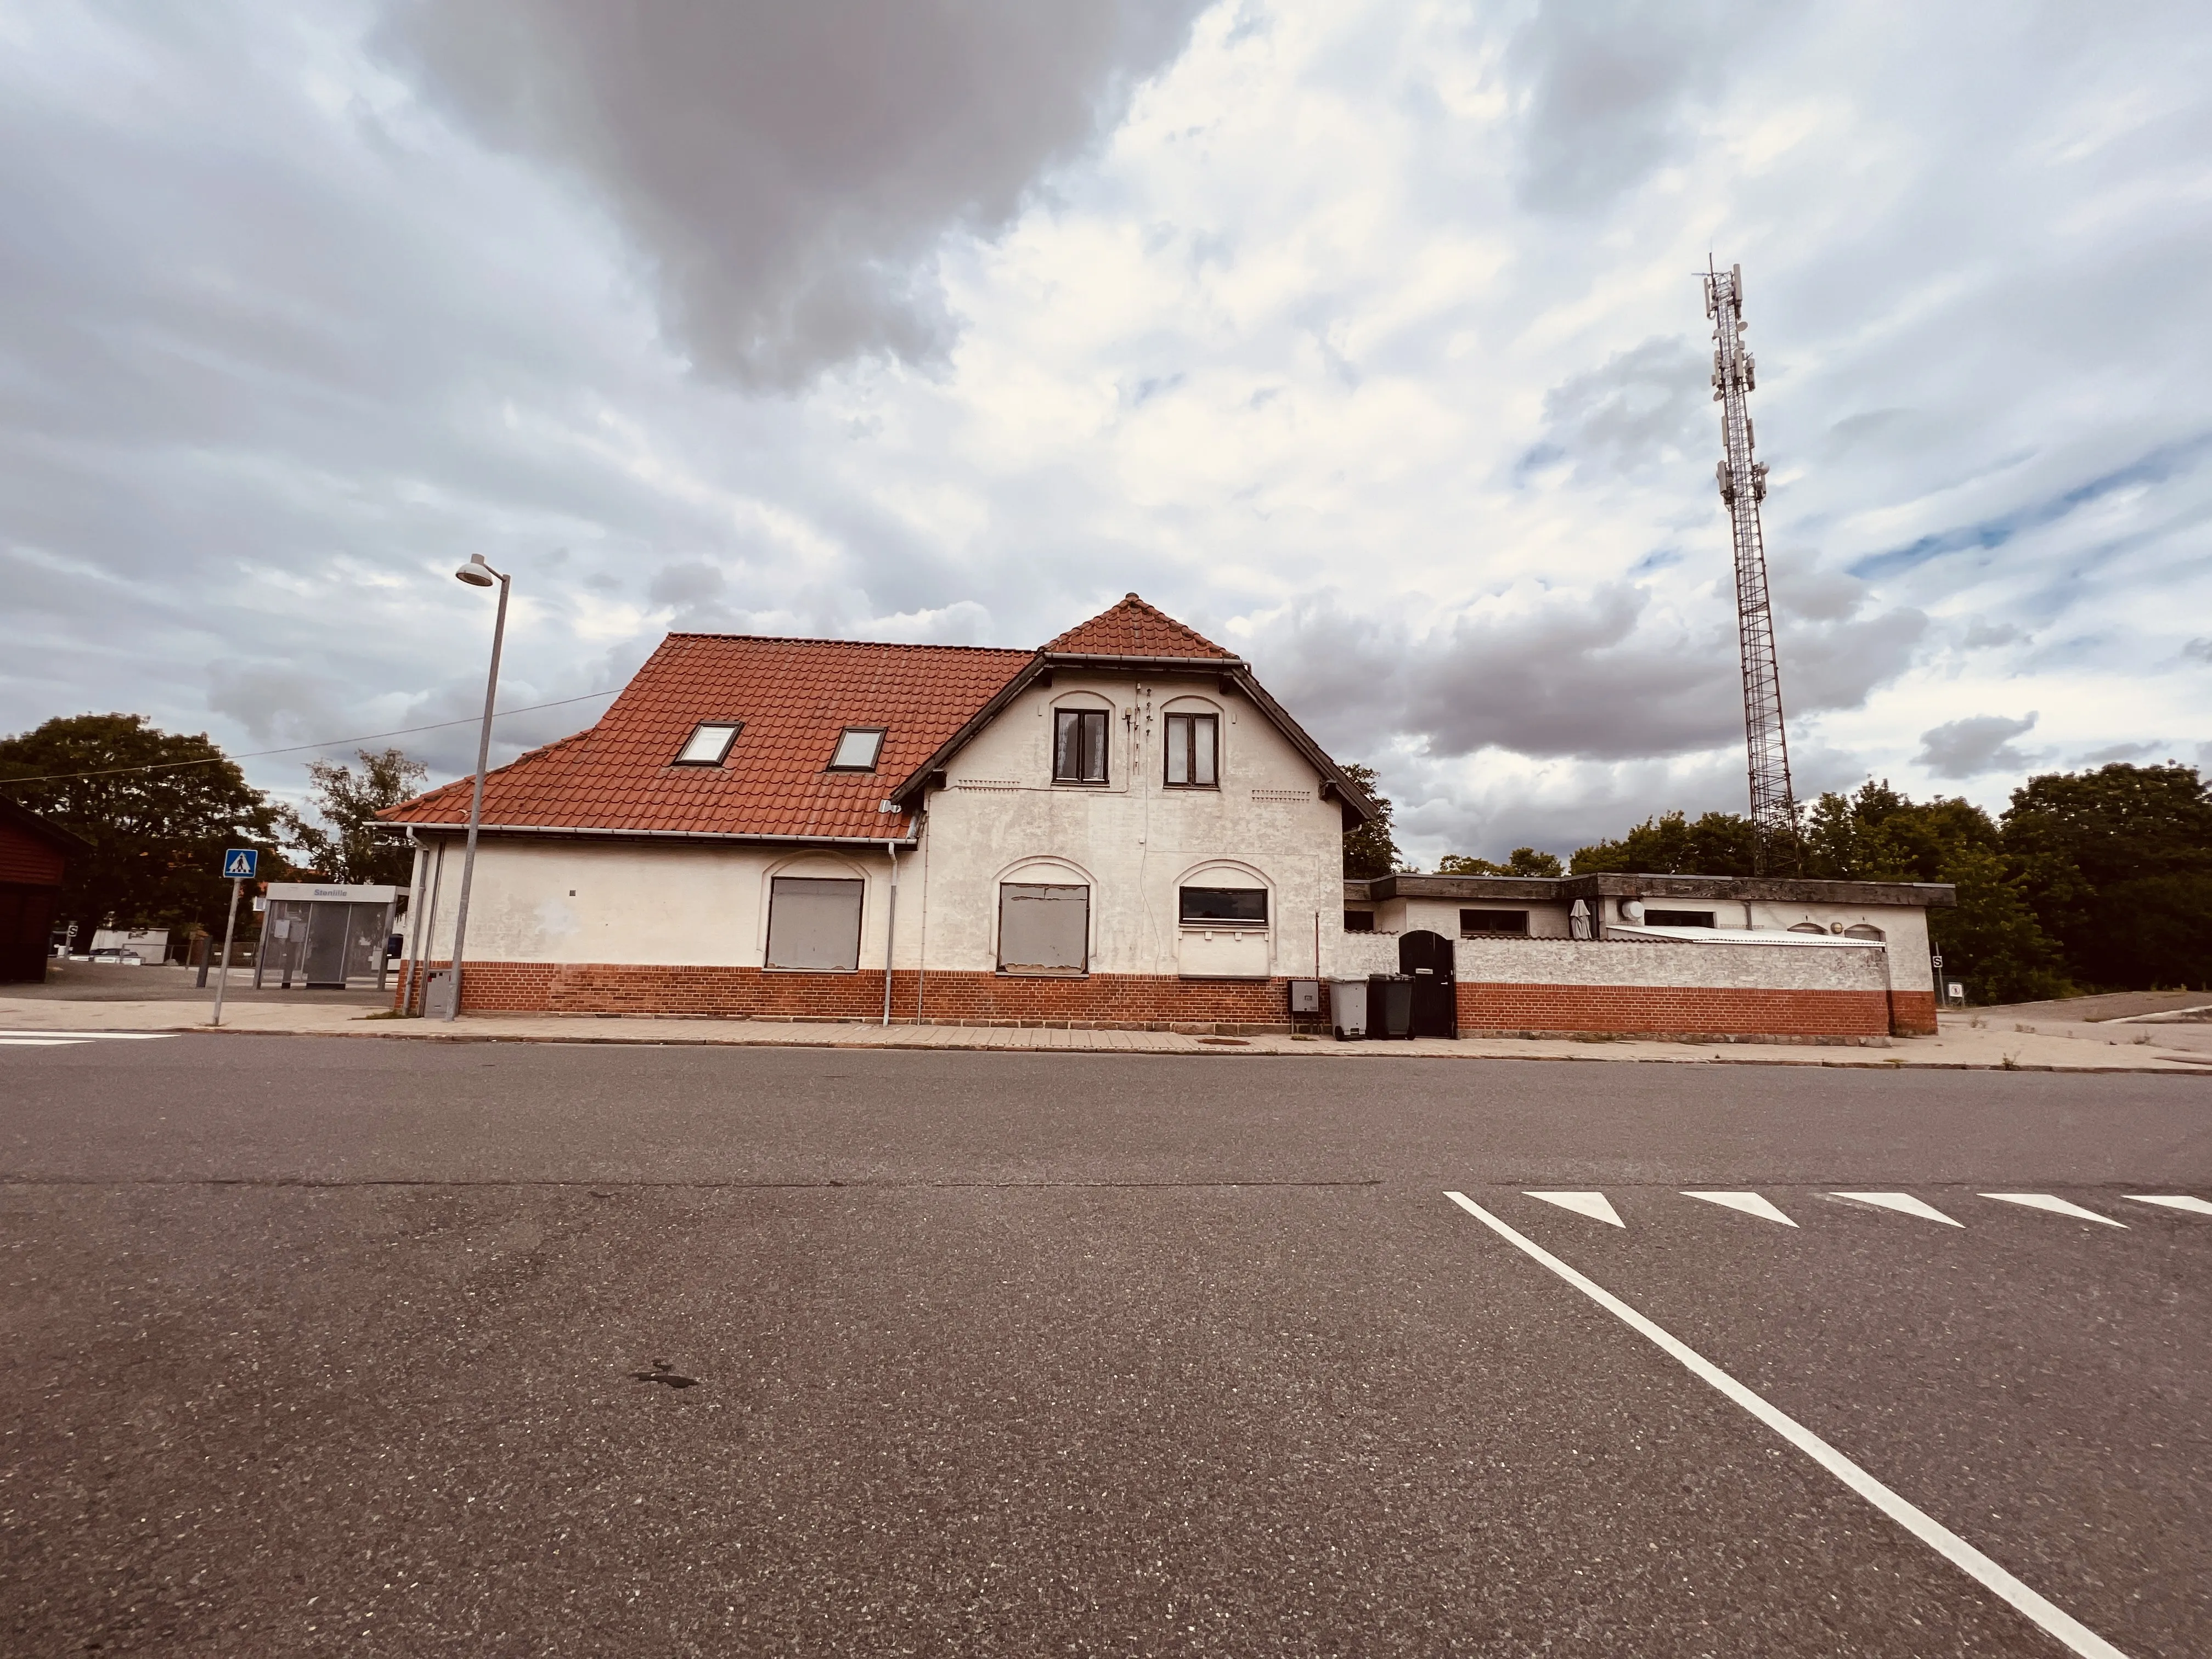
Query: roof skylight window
[[857, 749], [709, 745]]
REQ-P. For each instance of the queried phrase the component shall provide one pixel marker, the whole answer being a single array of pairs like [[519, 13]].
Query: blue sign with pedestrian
[[238, 863]]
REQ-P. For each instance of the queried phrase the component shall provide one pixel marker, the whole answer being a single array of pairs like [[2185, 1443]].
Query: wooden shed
[[34, 855]]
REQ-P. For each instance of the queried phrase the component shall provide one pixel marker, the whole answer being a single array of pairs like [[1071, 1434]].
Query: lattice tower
[[1743, 487]]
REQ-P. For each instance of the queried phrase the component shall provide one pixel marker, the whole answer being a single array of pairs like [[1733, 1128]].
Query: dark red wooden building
[[32, 855]]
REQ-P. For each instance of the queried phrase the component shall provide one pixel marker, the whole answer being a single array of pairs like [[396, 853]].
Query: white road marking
[[1904, 1204], [37, 1042], [2056, 1205], [91, 1036], [1924, 1527], [2174, 1201], [1749, 1203], [1592, 1205]]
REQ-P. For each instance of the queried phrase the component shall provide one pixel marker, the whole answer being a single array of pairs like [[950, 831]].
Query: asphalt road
[[318, 1345]]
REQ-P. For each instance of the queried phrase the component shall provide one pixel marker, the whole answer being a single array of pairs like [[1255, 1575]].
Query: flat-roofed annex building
[[1122, 828]]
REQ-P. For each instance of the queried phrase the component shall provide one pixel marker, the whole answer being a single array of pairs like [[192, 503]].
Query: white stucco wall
[[1904, 927], [1134, 841], [1618, 961], [650, 902]]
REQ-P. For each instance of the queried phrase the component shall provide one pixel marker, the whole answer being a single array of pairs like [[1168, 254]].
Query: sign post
[[239, 864]]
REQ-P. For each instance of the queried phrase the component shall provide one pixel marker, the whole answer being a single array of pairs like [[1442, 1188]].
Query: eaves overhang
[[1233, 673]]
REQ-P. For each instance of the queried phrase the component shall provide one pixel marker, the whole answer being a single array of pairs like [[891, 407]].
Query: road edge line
[[2051, 1618]]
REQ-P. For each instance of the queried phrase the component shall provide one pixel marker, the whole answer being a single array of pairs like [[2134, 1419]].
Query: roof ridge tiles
[[862, 645]]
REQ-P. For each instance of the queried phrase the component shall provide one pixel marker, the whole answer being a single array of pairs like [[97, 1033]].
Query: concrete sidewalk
[[1966, 1040]]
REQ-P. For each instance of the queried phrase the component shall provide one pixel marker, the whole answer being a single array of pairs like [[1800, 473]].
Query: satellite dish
[[1632, 909]]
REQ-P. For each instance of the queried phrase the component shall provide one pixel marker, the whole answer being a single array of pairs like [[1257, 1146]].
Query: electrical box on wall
[[1305, 996]]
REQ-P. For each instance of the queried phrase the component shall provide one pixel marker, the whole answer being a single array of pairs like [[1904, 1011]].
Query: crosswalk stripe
[[92, 1037], [1592, 1205], [2056, 1205], [1929, 1531], [1904, 1204], [1748, 1203], [2173, 1201]]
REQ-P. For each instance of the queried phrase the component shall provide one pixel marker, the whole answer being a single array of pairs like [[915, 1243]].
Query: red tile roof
[[794, 697], [1133, 628]]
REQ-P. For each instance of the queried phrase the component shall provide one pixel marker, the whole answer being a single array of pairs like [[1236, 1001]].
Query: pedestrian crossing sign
[[238, 863]]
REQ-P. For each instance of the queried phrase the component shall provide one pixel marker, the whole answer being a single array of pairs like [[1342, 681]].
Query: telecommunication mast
[[1743, 487]]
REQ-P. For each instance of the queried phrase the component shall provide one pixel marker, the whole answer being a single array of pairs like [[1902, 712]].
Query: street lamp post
[[476, 574]]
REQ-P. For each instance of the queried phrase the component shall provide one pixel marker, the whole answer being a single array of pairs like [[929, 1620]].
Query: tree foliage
[[2090, 880], [349, 845], [1716, 844], [1521, 861], [2118, 865], [1370, 850], [157, 835]]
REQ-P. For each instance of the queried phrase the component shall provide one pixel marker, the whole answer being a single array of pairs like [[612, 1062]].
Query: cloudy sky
[[1366, 338]]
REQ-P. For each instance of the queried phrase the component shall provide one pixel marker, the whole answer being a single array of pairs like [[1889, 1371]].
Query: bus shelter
[[325, 936]]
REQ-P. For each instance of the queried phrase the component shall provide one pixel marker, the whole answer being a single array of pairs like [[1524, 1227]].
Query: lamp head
[[475, 573]]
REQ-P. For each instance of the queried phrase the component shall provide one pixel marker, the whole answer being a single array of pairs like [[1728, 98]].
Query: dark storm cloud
[[789, 169], [1591, 676], [1971, 747]]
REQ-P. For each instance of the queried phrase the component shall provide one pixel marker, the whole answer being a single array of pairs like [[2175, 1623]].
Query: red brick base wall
[[1125, 1001], [1673, 1012], [1912, 1013], [1157, 1002]]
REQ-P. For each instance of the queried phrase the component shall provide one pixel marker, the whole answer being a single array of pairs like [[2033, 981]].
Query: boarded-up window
[[814, 923], [1043, 929]]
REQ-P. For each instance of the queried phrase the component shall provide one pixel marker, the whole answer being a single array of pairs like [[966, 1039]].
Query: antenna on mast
[[1775, 847]]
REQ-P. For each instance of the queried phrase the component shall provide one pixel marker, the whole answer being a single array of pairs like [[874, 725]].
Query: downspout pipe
[[891, 922]]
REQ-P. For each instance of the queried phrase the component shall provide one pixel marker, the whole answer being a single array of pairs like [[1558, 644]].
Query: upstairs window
[[1358, 922], [857, 749], [1678, 918], [1079, 745], [1224, 907], [709, 742], [1191, 741]]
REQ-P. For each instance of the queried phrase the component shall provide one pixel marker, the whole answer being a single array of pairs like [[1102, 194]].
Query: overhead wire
[[298, 747]]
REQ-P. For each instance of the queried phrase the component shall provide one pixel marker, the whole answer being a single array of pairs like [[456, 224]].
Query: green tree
[[1521, 861], [350, 845], [158, 808], [2118, 865], [1991, 938], [1370, 850], [1715, 844]]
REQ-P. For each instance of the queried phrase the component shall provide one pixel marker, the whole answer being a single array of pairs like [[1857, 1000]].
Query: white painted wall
[[1135, 841], [1621, 962], [651, 903]]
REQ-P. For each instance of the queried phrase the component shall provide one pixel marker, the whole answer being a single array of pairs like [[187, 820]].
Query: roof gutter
[[906, 841]]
